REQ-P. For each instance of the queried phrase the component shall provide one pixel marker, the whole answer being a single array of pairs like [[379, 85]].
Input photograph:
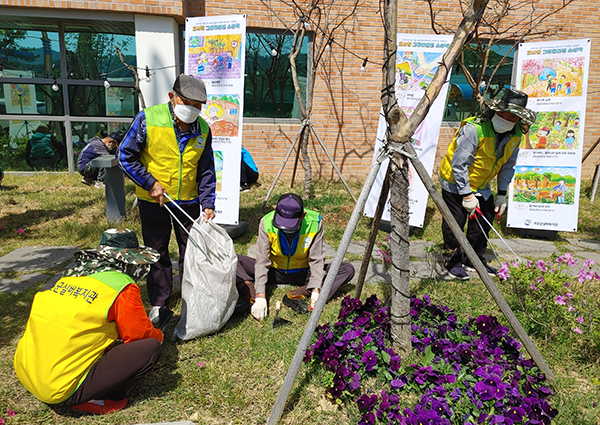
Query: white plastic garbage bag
[[208, 290]]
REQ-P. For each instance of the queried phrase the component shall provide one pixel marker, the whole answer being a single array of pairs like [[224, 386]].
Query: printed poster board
[[544, 193], [215, 52], [417, 60]]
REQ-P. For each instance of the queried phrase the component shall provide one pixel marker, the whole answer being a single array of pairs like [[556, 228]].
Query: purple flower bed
[[471, 371]]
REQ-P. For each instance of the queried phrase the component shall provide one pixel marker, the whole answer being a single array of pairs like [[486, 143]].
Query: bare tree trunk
[[136, 77], [306, 163], [400, 308], [399, 133]]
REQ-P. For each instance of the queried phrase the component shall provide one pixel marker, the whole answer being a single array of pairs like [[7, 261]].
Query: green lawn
[[235, 375]]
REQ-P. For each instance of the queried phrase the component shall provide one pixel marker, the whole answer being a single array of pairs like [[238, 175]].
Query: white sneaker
[[153, 315], [99, 185]]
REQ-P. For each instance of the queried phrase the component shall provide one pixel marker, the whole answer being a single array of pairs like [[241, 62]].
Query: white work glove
[[470, 204], [313, 299], [500, 205], [259, 308]]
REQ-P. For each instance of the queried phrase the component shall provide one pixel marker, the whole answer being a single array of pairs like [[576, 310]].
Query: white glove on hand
[[313, 299], [470, 204], [259, 308], [500, 205]]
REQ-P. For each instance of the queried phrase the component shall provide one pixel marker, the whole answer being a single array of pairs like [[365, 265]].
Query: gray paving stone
[[21, 282], [50, 283], [588, 244], [417, 249], [36, 258], [525, 248], [376, 273], [358, 248], [329, 251]]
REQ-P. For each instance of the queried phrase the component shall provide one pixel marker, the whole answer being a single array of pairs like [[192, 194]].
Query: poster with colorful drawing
[[215, 53], [544, 194], [417, 60]]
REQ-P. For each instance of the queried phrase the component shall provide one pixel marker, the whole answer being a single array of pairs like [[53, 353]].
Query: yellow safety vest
[[67, 333], [175, 169], [299, 258], [486, 165]]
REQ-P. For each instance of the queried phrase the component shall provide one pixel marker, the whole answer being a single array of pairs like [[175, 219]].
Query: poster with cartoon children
[[215, 56], [545, 190], [553, 130], [544, 77]]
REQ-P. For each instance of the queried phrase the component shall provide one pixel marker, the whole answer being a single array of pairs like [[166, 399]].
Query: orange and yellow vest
[[298, 258], [67, 333], [173, 166], [486, 165]]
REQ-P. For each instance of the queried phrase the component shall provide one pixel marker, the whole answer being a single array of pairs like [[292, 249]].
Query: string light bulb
[[106, 83], [54, 84], [148, 78], [329, 43], [364, 64], [274, 52]]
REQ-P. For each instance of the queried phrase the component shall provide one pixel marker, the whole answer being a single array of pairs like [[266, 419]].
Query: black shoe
[[456, 272], [245, 187], [297, 303]]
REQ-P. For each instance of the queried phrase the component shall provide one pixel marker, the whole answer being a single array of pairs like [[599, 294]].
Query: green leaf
[[386, 357], [428, 356]]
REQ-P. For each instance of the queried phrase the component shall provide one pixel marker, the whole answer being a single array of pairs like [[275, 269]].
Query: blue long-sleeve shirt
[[134, 142]]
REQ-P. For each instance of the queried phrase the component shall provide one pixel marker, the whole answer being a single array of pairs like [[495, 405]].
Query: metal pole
[[289, 152], [318, 310], [332, 162], [385, 189]]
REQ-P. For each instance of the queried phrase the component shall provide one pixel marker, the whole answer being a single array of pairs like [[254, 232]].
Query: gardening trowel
[[278, 321]]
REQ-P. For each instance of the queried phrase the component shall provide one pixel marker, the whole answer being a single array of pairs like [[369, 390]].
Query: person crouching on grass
[[69, 355]]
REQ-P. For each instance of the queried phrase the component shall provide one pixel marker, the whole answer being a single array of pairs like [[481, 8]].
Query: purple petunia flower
[[515, 413], [369, 358], [366, 402]]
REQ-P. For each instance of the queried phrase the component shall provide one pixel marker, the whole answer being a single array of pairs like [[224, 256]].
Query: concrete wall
[[157, 46]]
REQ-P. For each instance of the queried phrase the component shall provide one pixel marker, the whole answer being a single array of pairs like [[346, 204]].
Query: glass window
[[269, 90], [99, 101], [90, 56], [461, 100], [83, 131], [32, 145], [30, 99], [30, 54]]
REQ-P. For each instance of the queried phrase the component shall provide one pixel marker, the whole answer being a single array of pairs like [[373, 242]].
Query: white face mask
[[501, 125], [186, 113]]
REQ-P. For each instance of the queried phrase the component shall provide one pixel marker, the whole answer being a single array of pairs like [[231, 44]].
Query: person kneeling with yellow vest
[[289, 250], [70, 354]]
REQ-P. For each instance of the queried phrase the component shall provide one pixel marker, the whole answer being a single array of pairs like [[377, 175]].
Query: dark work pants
[[247, 174], [116, 371], [156, 230], [245, 272], [453, 254]]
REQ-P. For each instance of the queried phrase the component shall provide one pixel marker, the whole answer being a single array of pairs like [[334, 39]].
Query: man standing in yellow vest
[[289, 251], [69, 355], [168, 149], [484, 147]]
